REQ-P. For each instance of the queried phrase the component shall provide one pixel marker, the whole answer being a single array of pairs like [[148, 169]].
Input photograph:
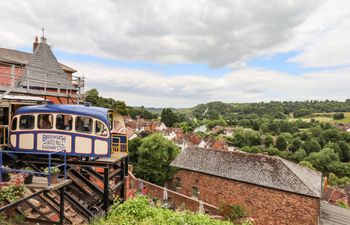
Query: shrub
[[139, 211], [233, 212], [54, 170]]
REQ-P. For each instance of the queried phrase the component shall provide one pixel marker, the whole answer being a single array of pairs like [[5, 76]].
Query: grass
[[325, 117]]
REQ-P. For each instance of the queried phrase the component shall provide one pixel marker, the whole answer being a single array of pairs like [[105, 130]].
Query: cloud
[[216, 33], [246, 85]]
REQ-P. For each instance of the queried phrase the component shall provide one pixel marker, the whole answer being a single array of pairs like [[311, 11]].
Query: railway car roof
[[91, 111]]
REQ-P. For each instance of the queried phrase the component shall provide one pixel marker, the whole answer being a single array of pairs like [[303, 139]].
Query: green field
[[326, 117]]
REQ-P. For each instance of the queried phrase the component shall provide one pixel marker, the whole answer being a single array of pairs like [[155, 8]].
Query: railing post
[[45, 82], [65, 165], [12, 75], [1, 167], [49, 180], [28, 75]]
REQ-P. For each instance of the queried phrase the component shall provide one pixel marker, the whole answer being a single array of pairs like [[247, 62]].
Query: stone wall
[[265, 205]]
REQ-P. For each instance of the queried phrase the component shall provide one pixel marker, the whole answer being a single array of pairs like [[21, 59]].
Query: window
[[195, 192], [83, 124], [45, 121], [64, 122], [178, 182], [26, 122], [100, 128], [14, 124]]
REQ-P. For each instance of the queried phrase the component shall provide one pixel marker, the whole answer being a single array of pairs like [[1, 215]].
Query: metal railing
[[119, 143], [4, 135], [50, 165]]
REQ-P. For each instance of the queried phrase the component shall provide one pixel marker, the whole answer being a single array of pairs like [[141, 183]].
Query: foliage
[[268, 141], [306, 164], [312, 145], [245, 137], [168, 117], [281, 143], [233, 212], [338, 116], [321, 159], [154, 157], [93, 97], [133, 146], [139, 211], [296, 144], [333, 180], [219, 122], [342, 204], [12, 192], [54, 170]]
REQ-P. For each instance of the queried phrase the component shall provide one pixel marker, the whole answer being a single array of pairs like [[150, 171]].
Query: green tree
[[268, 141], [281, 143], [306, 164], [312, 145], [338, 116], [168, 117], [133, 146], [92, 96], [299, 155], [154, 157], [321, 159], [296, 144]]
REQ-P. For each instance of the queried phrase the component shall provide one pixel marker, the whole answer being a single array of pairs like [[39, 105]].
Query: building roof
[[91, 111], [18, 57], [258, 169]]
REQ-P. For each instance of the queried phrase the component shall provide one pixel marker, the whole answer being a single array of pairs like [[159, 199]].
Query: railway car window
[[45, 121], [14, 124], [83, 124], [100, 129], [64, 122], [26, 122]]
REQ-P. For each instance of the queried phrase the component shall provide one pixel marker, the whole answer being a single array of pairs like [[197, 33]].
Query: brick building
[[38, 74], [273, 190]]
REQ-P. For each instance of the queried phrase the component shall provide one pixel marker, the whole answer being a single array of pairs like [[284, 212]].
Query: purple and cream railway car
[[79, 130]]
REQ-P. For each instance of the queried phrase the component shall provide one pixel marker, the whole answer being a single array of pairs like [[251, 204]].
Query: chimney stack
[[35, 43]]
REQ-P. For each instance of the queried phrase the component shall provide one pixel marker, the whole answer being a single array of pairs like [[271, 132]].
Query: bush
[[139, 211], [233, 212], [338, 116]]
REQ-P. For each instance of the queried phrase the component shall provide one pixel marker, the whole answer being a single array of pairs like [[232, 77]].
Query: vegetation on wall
[[139, 211]]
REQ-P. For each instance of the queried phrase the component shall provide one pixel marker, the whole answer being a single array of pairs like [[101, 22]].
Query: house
[[273, 190], [160, 126], [201, 128], [344, 127], [217, 129], [128, 131], [228, 131], [38, 74]]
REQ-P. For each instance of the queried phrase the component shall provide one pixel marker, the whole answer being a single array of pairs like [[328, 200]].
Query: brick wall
[[265, 205], [175, 198]]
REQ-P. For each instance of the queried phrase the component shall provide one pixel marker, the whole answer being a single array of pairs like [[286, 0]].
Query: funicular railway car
[[79, 130]]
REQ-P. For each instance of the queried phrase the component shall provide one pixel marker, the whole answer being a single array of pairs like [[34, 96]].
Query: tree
[[306, 164], [281, 143], [133, 146], [312, 145], [168, 117], [92, 96], [321, 159], [296, 144], [338, 116], [299, 155], [268, 141], [154, 157]]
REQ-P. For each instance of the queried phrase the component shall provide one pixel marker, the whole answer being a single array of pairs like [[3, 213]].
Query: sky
[[181, 53]]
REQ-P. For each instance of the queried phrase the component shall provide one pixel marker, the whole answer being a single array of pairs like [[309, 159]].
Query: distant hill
[[213, 110]]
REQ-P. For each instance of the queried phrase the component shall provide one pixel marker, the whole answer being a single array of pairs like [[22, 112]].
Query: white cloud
[[212, 32], [246, 85]]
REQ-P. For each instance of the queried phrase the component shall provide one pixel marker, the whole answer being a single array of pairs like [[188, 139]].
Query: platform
[[41, 183], [114, 158]]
